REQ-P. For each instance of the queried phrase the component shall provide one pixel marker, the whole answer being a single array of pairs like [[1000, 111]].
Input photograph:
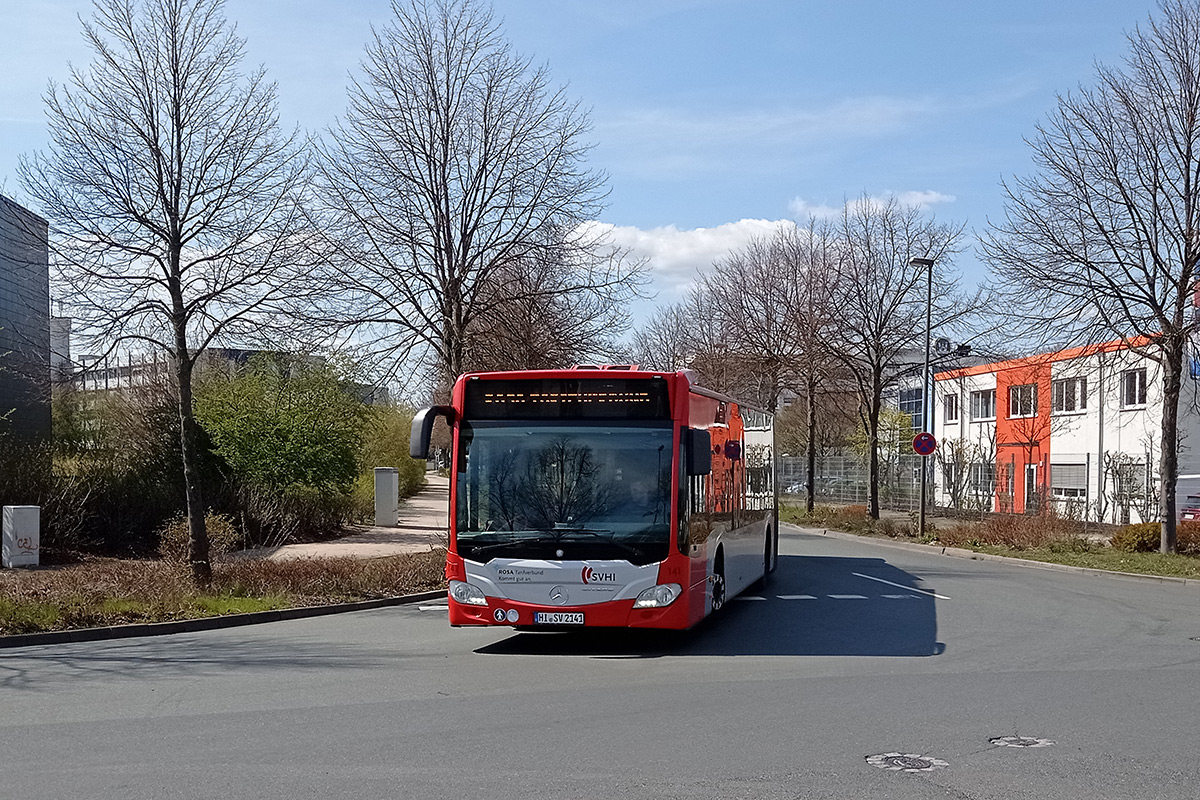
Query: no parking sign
[[924, 444]]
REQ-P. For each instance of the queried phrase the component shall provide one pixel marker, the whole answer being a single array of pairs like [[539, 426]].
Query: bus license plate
[[558, 618]]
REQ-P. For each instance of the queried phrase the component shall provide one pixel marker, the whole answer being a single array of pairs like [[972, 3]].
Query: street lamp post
[[926, 393]]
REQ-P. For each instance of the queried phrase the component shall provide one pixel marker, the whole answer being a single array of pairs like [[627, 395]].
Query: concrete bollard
[[387, 496], [21, 539]]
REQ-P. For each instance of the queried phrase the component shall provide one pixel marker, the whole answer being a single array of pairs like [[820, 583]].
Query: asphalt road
[[855, 650]]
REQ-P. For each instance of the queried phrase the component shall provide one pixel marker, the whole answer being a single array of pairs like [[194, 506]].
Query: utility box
[[387, 496], [21, 539]]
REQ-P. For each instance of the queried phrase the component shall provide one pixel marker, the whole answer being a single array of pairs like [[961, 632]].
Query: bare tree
[[457, 163], [172, 194], [537, 322], [750, 295], [883, 302], [812, 307], [667, 340], [1104, 240]]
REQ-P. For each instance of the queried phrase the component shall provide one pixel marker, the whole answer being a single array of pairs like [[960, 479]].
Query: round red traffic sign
[[924, 444]]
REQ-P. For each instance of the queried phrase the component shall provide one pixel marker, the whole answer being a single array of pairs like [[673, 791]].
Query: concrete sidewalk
[[423, 526]]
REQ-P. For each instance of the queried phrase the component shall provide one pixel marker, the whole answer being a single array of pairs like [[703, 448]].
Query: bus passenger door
[[695, 531]]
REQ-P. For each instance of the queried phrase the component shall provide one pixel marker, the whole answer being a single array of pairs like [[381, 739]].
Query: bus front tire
[[718, 588]]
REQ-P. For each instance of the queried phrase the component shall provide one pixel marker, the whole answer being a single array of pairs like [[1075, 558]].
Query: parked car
[[1190, 509]]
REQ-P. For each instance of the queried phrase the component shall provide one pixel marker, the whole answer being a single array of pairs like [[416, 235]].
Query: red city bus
[[604, 496]]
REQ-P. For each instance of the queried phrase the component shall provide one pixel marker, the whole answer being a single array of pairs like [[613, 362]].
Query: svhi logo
[[588, 575]]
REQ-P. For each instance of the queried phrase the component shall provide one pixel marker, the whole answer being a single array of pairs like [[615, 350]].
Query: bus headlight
[[658, 596], [467, 594]]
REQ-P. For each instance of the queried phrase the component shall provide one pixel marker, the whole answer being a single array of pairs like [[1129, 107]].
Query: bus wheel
[[718, 585]]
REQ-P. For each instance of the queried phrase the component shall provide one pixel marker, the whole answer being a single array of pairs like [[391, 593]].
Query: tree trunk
[[810, 490], [873, 453], [1172, 371], [198, 549]]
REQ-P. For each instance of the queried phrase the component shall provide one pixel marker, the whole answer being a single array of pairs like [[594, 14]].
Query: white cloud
[[924, 200], [802, 209], [676, 257]]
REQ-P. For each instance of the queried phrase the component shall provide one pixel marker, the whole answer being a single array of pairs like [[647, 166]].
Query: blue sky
[[713, 118]]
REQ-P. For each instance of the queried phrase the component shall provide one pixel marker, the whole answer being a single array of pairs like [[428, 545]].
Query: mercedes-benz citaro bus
[[602, 496]]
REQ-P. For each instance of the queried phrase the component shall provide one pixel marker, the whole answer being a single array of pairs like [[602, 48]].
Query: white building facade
[[1077, 431]]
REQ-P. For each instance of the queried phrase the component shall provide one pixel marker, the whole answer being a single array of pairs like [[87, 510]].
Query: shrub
[[289, 432], [1187, 538], [386, 445], [273, 517], [849, 518], [1140, 537], [284, 422], [223, 537], [110, 477], [1019, 532], [887, 527]]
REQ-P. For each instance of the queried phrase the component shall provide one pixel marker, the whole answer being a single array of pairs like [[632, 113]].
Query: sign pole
[[924, 444]]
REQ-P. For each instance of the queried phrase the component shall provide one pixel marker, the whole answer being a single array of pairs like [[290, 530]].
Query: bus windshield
[[564, 491]]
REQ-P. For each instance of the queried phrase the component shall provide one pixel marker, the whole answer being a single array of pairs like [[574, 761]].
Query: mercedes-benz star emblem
[[558, 596]]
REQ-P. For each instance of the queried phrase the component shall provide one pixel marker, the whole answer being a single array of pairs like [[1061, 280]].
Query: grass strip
[[1049, 539], [104, 592]]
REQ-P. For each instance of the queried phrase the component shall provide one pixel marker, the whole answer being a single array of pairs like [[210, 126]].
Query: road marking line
[[901, 586], [900, 597], [433, 608], [749, 597], [795, 597], [848, 596]]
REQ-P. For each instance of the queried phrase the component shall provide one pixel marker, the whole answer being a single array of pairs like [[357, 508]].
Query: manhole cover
[[1019, 741], [906, 762]]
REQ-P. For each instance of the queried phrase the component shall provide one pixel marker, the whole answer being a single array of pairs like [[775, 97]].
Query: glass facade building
[[24, 322]]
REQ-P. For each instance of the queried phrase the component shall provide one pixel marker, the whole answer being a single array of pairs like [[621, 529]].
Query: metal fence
[[842, 479]]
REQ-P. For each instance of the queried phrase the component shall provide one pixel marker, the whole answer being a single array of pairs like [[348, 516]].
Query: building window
[[910, 403], [1133, 388], [1068, 480], [983, 404], [1070, 395], [950, 407], [982, 479], [1022, 400]]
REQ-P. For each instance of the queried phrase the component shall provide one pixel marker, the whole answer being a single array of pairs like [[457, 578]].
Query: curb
[[208, 623], [958, 552]]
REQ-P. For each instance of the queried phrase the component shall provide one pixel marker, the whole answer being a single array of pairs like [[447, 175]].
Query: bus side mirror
[[699, 451], [422, 429]]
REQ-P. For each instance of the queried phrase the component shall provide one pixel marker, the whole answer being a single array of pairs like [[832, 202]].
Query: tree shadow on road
[[813, 606]]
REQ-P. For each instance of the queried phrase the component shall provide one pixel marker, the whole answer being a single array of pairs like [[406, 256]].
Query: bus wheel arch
[[718, 580]]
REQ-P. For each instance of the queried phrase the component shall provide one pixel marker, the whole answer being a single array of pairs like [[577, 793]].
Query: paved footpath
[[422, 526]]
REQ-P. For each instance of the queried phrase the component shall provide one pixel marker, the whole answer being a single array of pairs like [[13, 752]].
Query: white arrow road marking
[[795, 597], [900, 586]]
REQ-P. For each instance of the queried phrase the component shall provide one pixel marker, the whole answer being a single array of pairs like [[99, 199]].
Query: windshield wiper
[[514, 542], [552, 536], [628, 548]]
